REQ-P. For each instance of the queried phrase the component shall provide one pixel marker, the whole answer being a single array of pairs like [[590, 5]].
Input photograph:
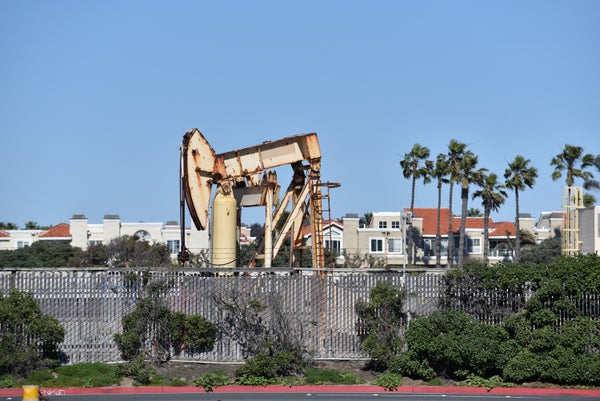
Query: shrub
[[29, 337], [271, 337], [382, 321], [453, 345], [389, 381], [417, 369], [212, 379], [321, 376]]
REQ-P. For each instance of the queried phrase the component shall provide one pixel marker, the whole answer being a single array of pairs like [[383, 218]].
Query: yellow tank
[[224, 230]]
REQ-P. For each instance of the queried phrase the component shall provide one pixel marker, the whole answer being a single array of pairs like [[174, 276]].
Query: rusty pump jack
[[237, 177]]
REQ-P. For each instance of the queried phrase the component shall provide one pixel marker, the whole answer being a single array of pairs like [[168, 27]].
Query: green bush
[[389, 381], [417, 369], [7, 381], [322, 376], [212, 379], [192, 331], [85, 375], [29, 337], [453, 345], [271, 364]]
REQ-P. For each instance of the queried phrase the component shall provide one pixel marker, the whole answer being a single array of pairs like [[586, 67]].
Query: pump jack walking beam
[[239, 171]]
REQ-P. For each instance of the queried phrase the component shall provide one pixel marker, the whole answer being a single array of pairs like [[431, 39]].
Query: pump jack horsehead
[[237, 177]]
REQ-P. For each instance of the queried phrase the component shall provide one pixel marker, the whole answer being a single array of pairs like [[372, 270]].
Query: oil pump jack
[[243, 178]]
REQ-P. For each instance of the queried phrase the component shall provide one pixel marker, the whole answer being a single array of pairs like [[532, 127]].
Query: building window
[[429, 247], [94, 242], [394, 245], [396, 224], [474, 245], [333, 245], [376, 245], [383, 224], [173, 245], [142, 235], [23, 244]]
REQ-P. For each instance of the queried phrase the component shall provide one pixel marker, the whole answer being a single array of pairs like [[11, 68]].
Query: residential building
[[82, 234], [381, 240], [589, 229], [333, 237]]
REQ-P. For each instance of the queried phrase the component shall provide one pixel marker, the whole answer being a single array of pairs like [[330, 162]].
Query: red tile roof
[[502, 229], [4, 234], [61, 230], [429, 216]]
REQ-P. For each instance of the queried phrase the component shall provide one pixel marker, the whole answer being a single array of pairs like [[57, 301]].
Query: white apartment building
[[79, 232]]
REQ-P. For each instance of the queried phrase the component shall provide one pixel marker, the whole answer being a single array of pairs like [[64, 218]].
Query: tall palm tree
[[468, 174], [455, 153], [519, 175], [573, 162], [492, 197], [414, 170], [440, 171]]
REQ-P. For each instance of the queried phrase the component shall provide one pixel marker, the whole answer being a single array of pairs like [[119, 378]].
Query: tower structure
[[572, 200]]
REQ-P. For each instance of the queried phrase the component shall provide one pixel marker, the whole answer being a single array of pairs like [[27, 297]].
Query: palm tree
[[474, 212], [492, 196], [519, 175], [455, 153], [412, 168], [468, 174], [438, 170], [574, 163]]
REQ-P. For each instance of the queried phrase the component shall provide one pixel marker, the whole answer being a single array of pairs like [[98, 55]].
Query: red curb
[[514, 391]]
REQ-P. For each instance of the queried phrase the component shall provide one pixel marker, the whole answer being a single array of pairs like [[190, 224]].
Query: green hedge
[[550, 329]]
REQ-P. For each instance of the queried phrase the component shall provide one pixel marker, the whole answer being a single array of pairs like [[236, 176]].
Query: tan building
[[548, 225], [381, 240]]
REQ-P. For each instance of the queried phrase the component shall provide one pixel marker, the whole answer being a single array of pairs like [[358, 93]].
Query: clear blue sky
[[95, 96]]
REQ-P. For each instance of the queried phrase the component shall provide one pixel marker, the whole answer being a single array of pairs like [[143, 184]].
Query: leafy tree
[[29, 338], [367, 218], [467, 175], [39, 254], [32, 225], [129, 251], [546, 251], [153, 322], [257, 231], [456, 151], [412, 169], [588, 200], [8, 226], [440, 171], [492, 196], [519, 175]]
